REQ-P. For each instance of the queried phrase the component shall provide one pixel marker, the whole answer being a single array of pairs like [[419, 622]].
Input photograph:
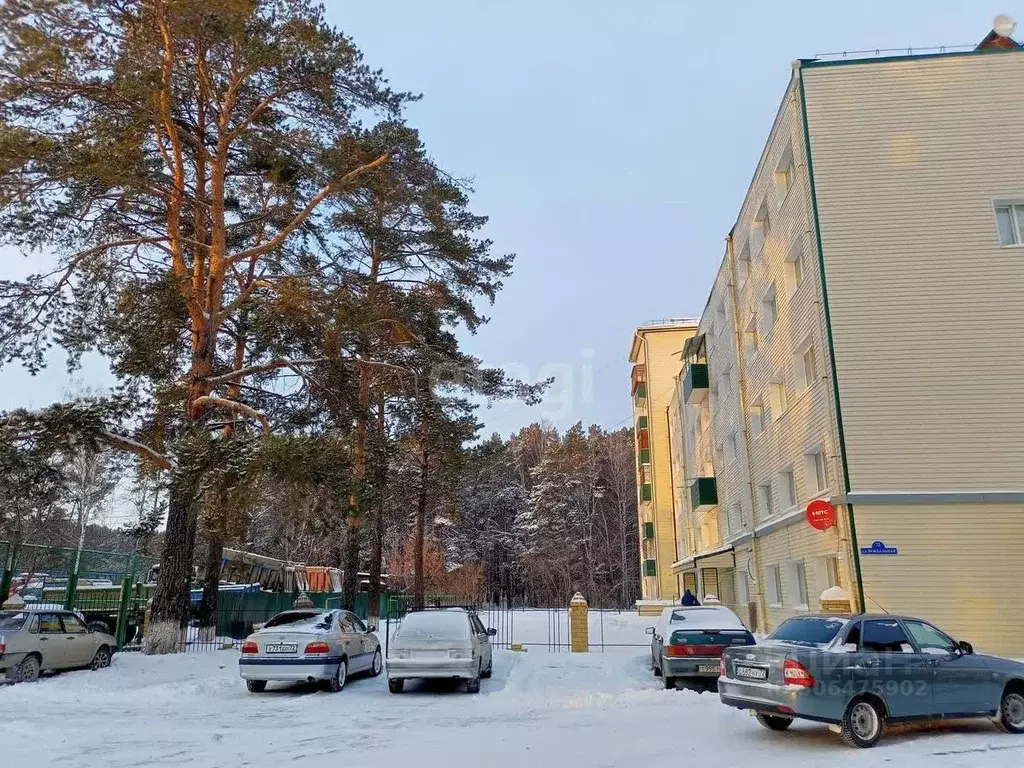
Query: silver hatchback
[[34, 641], [309, 645], [446, 643]]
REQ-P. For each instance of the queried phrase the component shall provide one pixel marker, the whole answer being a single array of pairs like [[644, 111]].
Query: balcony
[[638, 381], [641, 423], [645, 456], [645, 492], [695, 383], [648, 530], [643, 439], [650, 568], [703, 493]]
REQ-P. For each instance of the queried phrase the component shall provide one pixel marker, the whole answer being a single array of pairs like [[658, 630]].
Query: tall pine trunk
[[418, 585], [350, 575], [208, 606], [171, 599], [377, 543]]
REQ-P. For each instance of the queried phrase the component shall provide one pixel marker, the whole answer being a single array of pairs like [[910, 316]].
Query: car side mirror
[[491, 631], [649, 630], [965, 648]]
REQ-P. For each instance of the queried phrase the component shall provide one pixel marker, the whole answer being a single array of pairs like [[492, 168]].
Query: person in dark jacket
[[689, 599]]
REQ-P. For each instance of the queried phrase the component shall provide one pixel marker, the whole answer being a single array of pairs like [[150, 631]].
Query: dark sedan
[[858, 673]]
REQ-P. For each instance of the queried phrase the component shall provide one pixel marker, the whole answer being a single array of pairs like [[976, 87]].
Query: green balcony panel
[[641, 391], [703, 493], [645, 492], [645, 456], [695, 383], [648, 530], [641, 423], [650, 568]]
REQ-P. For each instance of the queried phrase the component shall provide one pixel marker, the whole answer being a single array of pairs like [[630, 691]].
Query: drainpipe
[[831, 345], [741, 389]]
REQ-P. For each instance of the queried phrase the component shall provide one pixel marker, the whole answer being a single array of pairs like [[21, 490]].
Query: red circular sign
[[821, 514]]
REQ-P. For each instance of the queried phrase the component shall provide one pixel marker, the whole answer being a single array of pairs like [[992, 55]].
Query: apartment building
[[656, 357], [862, 349]]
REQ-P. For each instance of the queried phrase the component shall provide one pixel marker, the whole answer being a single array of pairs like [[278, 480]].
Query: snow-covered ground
[[597, 709]]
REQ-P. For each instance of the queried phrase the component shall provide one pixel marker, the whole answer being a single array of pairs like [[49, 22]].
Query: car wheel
[[487, 673], [28, 670], [1011, 712], [670, 683], [862, 724], [773, 722], [102, 658], [377, 666], [256, 686], [473, 685], [396, 685], [337, 683]]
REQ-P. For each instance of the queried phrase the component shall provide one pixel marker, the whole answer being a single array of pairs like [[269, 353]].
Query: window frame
[[1016, 220], [785, 173], [898, 623], [787, 482], [764, 500], [953, 645], [769, 308], [83, 627], [811, 459], [777, 586]]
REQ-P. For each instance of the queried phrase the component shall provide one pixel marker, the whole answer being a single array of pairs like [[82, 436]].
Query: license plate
[[282, 648], [708, 668], [431, 654], [751, 673]]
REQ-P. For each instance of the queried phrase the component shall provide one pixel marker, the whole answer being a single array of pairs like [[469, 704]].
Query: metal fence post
[[71, 591], [122, 611]]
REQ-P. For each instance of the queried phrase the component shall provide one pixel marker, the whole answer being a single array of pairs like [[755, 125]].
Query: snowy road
[[580, 710]]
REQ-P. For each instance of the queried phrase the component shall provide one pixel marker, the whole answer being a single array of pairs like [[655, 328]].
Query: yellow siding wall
[[927, 314], [959, 566]]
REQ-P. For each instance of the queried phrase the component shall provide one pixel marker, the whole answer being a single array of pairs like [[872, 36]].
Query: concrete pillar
[[579, 627]]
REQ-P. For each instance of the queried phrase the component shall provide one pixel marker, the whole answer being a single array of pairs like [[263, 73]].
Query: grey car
[[446, 643], [37, 641], [859, 673], [309, 645], [687, 644]]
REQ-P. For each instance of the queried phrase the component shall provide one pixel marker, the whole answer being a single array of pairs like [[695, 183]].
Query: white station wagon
[[309, 645]]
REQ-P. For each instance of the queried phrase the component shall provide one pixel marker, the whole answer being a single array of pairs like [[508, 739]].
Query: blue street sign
[[879, 548]]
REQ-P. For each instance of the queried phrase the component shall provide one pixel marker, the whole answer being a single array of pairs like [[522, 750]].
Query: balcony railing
[[650, 568], [646, 492], [695, 383], [638, 381], [648, 530], [703, 493]]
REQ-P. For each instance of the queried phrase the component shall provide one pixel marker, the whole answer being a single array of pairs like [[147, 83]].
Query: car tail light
[[722, 671], [3, 645], [796, 673], [250, 647], [317, 647], [694, 650]]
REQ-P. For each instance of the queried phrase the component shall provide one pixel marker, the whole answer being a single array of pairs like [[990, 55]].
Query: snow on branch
[[232, 405], [241, 373], [144, 451]]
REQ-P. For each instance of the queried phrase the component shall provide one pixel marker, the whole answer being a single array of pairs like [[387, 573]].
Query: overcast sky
[[610, 142]]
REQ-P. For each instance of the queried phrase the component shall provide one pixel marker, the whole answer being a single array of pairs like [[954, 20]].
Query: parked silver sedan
[[859, 673], [37, 641], [446, 643], [309, 645], [687, 644]]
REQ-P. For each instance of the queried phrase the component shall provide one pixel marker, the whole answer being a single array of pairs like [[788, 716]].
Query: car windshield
[[297, 619], [431, 625], [808, 631], [13, 619]]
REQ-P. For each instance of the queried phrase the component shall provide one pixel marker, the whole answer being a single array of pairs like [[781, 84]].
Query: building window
[[743, 264], [784, 173], [764, 499], [757, 417], [769, 311], [721, 316], [777, 395], [795, 267], [719, 458], [787, 487], [730, 446], [762, 226], [807, 368], [735, 519], [831, 568], [750, 340], [798, 575], [773, 585], [816, 472], [723, 383], [1010, 223], [742, 587]]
